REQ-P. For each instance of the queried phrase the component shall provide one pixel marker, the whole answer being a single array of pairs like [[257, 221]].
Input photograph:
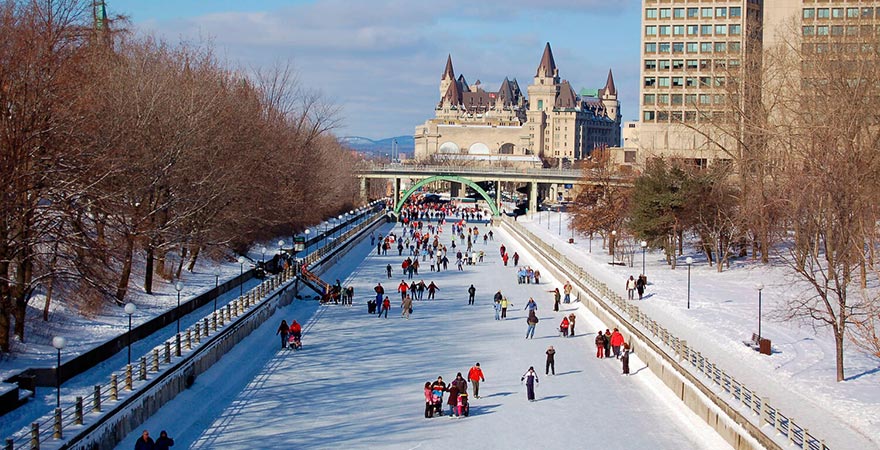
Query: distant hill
[[405, 145]]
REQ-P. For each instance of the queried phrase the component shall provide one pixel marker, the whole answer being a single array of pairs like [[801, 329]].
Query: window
[[677, 81], [649, 82], [651, 30], [822, 13], [822, 30], [705, 99], [734, 47], [691, 64], [809, 31], [664, 47], [664, 30], [651, 13], [720, 81], [852, 13], [706, 47], [540, 104], [663, 99], [690, 99], [720, 47], [649, 99], [706, 30], [837, 13], [650, 64], [690, 116], [663, 116], [733, 63], [677, 99], [720, 12], [809, 13], [867, 13], [693, 13], [692, 30], [677, 64], [690, 82], [704, 64], [649, 116], [678, 13], [665, 13], [664, 64], [706, 13], [650, 47], [720, 30], [735, 30], [720, 63], [678, 30], [663, 82], [692, 47], [629, 156], [705, 81], [677, 47], [735, 12], [837, 30]]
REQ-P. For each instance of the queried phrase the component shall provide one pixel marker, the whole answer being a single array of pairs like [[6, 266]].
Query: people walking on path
[[531, 321], [571, 319], [475, 375], [284, 331], [406, 307], [504, 259], [616, 342], [550, 367], [386, 305], [641, 284], [624, 358], [164, 442], [432, 289], [631, 288], [502, 249], [531, 380], [563, 327], [515, 258], [600, 345], [472, 291], [145, 442], [556, 298], [567, 290], [607, 343]]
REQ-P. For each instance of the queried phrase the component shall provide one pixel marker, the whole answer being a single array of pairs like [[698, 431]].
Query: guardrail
[[124, 384], [763, 412], [434, 170]]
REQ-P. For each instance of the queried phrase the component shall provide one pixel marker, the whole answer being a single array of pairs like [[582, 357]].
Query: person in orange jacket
[[476, 375], [402, 287], [616, 342], [563, 327]]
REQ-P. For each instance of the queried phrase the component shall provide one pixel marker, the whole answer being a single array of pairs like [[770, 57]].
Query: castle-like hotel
[[554, 123]]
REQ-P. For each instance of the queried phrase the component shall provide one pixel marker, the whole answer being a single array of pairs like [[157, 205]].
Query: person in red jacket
[[296, 329], [504, 258], [476, 375], [563, 327], [386, 305], [616, 342], [402, 287]]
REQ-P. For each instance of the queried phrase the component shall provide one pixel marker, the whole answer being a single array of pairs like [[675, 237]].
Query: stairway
[[315, 283]]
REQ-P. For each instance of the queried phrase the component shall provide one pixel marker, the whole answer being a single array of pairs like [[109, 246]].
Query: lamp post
[[263, 253], [59, 343], [689, 261], [307, 232], [130, 308], [560, 222], [241, 276], [281, 247], [612, 243], [759, 287], [178, 287], [340, 220], [644, 245], [216, 286]]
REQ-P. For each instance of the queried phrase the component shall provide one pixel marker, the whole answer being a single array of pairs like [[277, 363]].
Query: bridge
[[548, 182]]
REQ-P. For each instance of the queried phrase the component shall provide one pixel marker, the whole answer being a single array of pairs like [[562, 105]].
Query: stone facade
[[471, 124]]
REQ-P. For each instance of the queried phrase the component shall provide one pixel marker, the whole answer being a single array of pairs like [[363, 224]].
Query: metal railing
[[434, 170], [123, 383], [797, 435]]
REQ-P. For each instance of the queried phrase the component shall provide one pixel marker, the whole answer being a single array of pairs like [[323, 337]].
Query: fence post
[[198, 333], [805, 442], [96, 402], [9, 444], [205, 326], [78, 411], [35, 436], [213, 323], [189, 338], [167, 352], [764, 412], [143, 368], [57, 428], [128, 377], [114, 387], [155, 360]]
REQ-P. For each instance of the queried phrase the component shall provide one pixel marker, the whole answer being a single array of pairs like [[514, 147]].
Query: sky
[[380, 61]]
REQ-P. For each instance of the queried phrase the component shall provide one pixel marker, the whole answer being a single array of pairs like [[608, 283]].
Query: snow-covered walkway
[[358, 381]]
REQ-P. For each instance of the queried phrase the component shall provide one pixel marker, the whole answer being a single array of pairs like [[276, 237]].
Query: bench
[[759, 344]]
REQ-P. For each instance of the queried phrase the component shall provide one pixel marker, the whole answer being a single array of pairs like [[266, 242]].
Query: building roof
[[448, 74], [464, 84], [567, 98], [609, 88], [547, 66]]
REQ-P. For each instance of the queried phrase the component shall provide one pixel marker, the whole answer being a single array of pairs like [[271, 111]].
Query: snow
[[358, 381]]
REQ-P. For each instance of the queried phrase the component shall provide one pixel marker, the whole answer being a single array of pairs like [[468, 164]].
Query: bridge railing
[[434, 170]]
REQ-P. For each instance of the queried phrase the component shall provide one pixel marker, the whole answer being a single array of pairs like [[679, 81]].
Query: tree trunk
[[50, 285], [180, 263], [838, 341], [148, 272], [192, 260], [5, 314], [125, 275]]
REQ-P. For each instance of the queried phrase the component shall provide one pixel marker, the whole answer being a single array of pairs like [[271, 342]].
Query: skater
[[567, 290], [472, 291], [460, 382], [563, 327], [429, 401], [600, 345], [406, 307], [531, 305], [145, 442], [551, 361], [475, 374], [432, 289], [537, 277], [164, 442], [497, 306], [616, 342], [504, 259], [421, 289], [452, 401], [438, 388], [531, 380], [295, 335], [631, 288], [515, 258], [641, 284], [284, 331], [556, 298], [386, 305], [388, 270], [491, 236], [504, 305], [607, 343], [503, 250], [532, 320], [624, 359], [402, 288], [571, 319]]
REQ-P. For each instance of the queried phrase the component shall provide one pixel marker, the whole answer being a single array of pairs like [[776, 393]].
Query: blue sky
[[380, 61]]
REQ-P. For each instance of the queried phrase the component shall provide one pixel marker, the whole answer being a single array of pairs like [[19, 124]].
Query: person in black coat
[[164, 442], [531, 379], [145, 442], [472, 291]]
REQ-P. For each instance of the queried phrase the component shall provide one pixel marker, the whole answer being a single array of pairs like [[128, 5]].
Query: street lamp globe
[[59, 342], [644, 244], [689, 260], [178, 286], [340, 217], [130, 308], [307, 231], [759, 286], [241, 259]]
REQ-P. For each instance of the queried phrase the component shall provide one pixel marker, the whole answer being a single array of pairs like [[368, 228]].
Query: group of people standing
[[634, 285], [456, 394], [612, 343]]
